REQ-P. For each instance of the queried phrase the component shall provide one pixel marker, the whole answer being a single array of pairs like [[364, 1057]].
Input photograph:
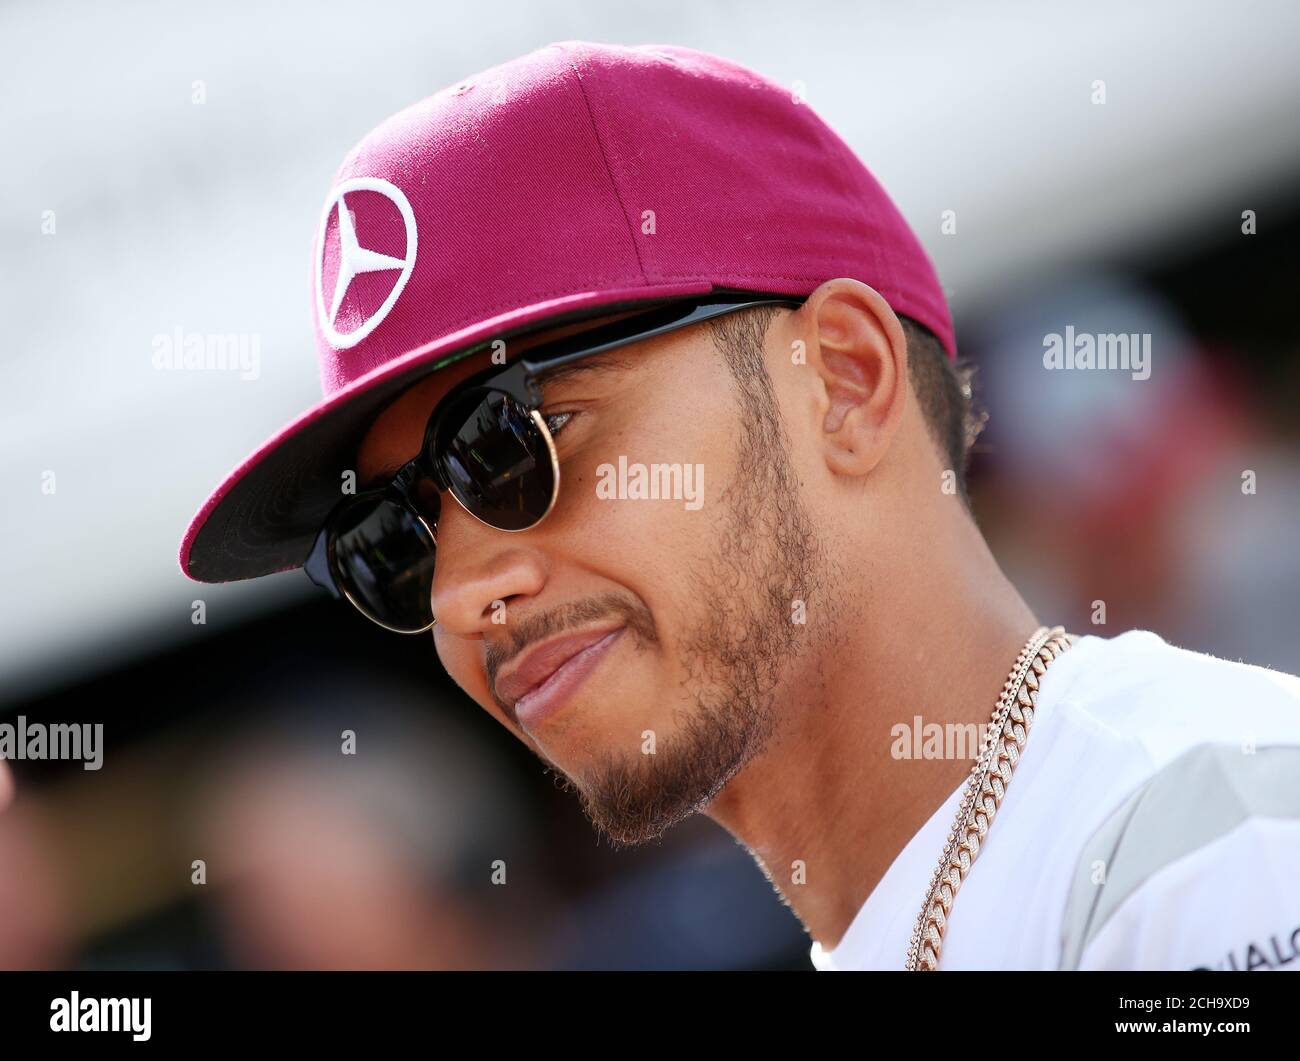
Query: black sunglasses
[[486, 444]]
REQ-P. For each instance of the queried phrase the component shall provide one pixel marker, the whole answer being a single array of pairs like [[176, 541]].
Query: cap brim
[[265, 515]]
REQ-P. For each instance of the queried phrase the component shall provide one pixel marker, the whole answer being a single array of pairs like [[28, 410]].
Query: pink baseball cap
[[576, 181]]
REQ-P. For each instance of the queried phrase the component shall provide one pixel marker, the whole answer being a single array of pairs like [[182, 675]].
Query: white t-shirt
[[1152, 822]]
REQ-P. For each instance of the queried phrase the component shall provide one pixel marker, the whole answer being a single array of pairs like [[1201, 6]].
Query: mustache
[[573, 615]]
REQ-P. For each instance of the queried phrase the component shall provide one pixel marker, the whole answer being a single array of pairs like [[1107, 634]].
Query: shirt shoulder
[[1195, 869], [1138, 688], [1189, 869]]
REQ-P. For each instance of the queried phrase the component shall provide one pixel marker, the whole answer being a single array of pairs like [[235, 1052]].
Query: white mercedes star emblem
[[355, 259]]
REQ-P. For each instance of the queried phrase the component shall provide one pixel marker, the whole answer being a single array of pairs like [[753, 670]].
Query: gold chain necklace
[[1007, 732]]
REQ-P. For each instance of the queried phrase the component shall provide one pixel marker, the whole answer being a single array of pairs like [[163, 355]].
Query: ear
[[857, 348]]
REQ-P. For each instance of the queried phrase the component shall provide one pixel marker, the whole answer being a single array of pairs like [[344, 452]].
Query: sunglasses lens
[[383, 559], [497, 461]]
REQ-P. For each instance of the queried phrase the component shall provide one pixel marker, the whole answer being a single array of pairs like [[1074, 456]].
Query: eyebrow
[[609, 361]]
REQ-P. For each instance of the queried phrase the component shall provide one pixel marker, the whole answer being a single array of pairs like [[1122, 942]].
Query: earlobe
[[860, 355]]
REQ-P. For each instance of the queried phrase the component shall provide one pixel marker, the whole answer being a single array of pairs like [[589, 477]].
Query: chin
[[598, 730]]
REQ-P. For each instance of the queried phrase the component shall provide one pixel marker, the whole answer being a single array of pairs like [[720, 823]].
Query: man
[[642, 397]]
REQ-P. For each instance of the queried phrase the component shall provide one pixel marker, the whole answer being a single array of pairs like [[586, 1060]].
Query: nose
[[480, 570]]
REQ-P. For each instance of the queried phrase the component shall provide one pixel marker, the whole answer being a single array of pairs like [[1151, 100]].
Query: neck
[[828, 794]]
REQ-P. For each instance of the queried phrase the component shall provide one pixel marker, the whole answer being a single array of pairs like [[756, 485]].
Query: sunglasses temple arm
[[620, 333]]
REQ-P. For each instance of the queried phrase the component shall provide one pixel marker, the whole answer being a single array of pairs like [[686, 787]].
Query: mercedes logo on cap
[[357, 231]]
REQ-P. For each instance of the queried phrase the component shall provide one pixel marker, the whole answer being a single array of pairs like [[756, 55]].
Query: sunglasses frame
[[519, 380]]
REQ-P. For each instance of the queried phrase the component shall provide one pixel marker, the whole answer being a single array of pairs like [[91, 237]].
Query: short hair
[[943, 385], [944, 388]]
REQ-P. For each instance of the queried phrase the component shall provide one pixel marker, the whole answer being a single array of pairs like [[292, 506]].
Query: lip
[[548, 675]]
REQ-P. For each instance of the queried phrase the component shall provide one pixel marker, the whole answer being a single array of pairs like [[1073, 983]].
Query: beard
[[739, 646]]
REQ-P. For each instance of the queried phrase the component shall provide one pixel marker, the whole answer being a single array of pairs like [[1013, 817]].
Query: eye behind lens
[[498, 460]]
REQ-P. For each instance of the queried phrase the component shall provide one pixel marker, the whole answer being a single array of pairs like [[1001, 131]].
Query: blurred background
[[167, 166]]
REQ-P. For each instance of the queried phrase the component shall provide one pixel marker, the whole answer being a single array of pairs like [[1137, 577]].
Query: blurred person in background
[[1148, 523], [389, 851], [6, 785], [716, 279], [35, 927]]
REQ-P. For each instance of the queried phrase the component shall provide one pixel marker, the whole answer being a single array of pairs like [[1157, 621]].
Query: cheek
[[653, 548]]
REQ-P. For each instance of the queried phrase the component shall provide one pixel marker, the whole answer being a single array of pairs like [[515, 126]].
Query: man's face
[[644, 640]]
